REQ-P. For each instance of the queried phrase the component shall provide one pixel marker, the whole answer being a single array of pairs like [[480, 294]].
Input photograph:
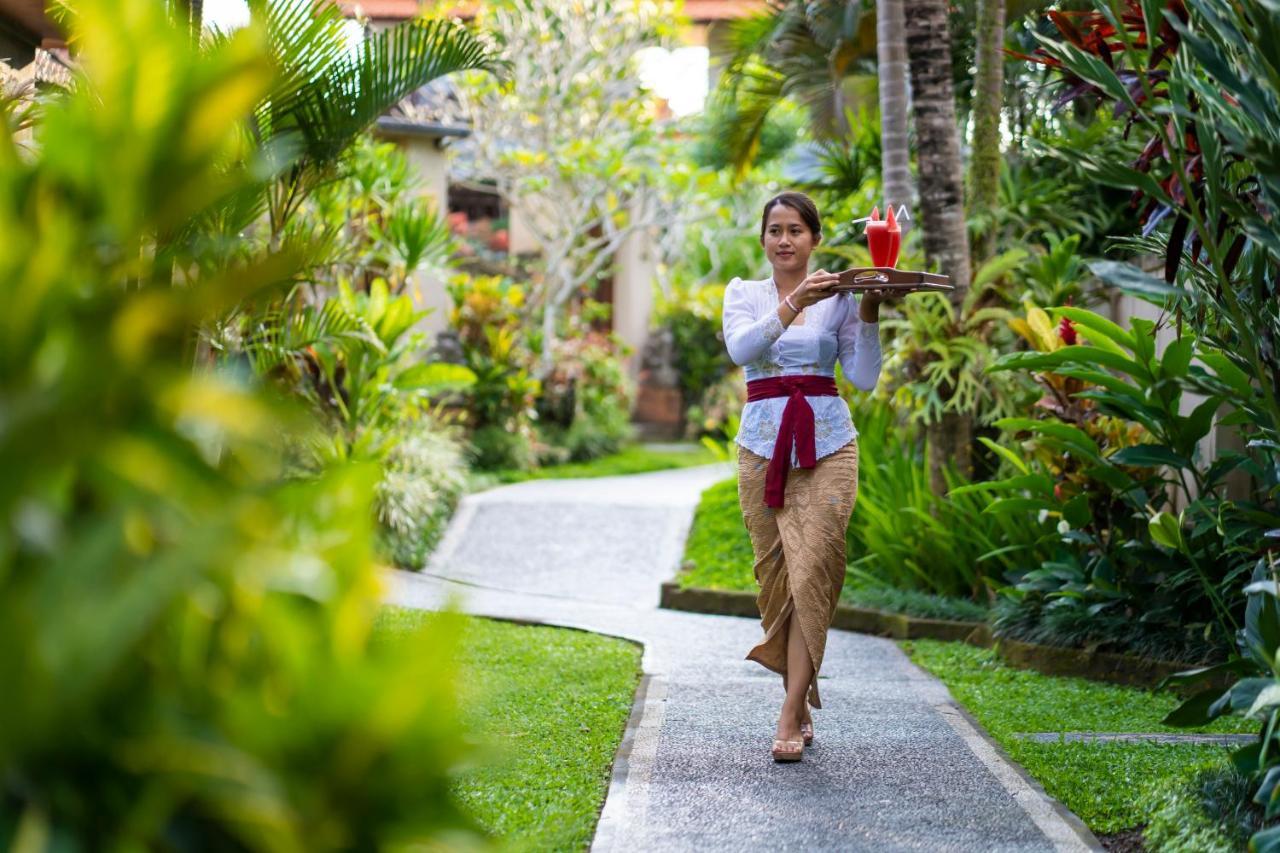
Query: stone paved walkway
[[895, 765]]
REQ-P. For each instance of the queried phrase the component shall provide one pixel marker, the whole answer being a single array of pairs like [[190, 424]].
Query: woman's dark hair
[[801, 204]]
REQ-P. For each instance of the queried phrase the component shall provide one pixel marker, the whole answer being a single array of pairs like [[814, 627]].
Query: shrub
[[424, 474], [184, 634], [585, 408], [488, 319]]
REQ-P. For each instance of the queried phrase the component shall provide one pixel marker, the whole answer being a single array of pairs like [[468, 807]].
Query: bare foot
[[788, 725]]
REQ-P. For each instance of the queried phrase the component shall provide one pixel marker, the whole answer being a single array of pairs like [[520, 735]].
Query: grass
[[1111, 786], [635, 459], [551, 704], [718, 556]]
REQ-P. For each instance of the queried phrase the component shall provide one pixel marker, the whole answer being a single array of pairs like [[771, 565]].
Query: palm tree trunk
[[946, 242], [891, 61], [988, 103]]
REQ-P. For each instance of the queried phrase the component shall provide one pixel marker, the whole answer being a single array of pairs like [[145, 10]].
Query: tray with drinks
[[890, 279]]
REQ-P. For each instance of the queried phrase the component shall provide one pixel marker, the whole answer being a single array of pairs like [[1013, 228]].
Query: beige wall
[[431, 165], [634, 272]]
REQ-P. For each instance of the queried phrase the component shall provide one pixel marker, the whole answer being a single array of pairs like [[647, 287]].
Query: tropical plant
[[801, 52], [904, 536], [1254, 693], [381, 225], [489, 321], [584, 409], [693, 316], [935, 358], [1197, 80], [1113, 496], [187, 630], [329, 92]]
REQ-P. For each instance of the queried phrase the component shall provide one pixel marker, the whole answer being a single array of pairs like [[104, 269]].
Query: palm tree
[[988, 90], [946, 241], [798, 50], [891, 50]]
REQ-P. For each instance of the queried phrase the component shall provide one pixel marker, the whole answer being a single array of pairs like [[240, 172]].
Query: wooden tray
[[887, 278]]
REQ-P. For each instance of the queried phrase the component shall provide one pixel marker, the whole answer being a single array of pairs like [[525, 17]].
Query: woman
[[797, 447]]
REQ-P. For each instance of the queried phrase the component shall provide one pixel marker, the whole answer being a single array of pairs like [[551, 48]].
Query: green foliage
[[584, 411], [915, 603], [488, 319], [710, 129], [187, 631], [937, 355], [798, 52], [903, 535], [692, 316], [1210, 813], [378, 223], [1124, 556], [424, 474], [327, 93], [551, 704], [1255, 695]]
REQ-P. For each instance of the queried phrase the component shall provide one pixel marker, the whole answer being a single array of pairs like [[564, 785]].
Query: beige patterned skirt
[[799, 551]]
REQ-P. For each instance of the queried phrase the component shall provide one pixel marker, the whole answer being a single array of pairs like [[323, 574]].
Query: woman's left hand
[[869, 305]]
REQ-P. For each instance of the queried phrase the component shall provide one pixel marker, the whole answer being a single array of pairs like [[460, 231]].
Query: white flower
[[1063, 527], [1044, 513]]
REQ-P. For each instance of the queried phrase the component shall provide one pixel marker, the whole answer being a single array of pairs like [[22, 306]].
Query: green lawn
[[635, 459], [1111, 786], [552, 704]]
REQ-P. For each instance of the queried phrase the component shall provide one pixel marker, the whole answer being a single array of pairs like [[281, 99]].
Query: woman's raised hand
[[815, 288]]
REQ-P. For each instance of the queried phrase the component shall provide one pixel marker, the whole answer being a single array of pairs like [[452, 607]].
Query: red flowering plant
[[1066, 400]]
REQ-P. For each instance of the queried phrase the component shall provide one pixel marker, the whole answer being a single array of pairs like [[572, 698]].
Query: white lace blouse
[[757, 340]]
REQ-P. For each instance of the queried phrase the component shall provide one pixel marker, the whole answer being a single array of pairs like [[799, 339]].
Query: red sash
[[796, 427]]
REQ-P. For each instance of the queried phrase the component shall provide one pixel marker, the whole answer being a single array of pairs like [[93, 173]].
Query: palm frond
[[285, 333], [330, 91]]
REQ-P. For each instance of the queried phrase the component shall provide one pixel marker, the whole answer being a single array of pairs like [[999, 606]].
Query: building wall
[[430, 163]]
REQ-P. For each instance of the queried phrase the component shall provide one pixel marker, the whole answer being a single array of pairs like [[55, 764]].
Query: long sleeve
[[859, 349], [746, 336]]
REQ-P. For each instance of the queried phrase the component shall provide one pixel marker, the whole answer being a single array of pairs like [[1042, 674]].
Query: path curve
[[896, 763]]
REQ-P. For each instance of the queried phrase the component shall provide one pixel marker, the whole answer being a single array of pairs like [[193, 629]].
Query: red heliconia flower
[[1067, 331]]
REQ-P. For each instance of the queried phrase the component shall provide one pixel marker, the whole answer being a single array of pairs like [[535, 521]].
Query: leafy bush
[[488, 319], [187, 632], [584, 411], [1211, 813], [693, 314], [903, 535], [1255, 695], [915, 603], [1126, 558], [424, 475]]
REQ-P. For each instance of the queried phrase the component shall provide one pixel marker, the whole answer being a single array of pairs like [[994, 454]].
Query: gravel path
[[895, 764]]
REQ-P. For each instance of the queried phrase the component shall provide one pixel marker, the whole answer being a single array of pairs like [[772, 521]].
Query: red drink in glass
[[878, 239]]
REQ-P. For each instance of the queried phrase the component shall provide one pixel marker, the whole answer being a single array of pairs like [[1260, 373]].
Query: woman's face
[[787, 241]]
